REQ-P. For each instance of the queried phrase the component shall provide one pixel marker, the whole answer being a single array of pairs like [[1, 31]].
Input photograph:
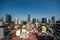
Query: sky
[[36, 8]]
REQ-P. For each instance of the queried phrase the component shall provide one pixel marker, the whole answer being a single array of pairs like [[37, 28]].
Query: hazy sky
[[36, 8]]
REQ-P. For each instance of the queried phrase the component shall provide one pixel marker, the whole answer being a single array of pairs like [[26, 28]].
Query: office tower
[[48, 20], [38, 20], [1, 21], [53, 19], [8, 18], [33, 20], [28, 18], [16, 20], [44, 20]]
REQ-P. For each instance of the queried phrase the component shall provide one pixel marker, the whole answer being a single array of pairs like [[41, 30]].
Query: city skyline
[[36, 8]]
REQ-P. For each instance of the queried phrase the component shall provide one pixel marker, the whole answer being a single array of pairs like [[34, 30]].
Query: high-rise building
[[48, 20], [16, 20], [53, 19], [8, 18], [38, 20], [57, 30], [33, 20], [44, 20], [28, 18], [1, 21]]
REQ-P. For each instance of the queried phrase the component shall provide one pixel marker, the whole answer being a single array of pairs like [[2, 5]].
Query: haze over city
[[29, 19]]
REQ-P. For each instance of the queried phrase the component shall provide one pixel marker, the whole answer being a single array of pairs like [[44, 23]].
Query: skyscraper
[[28, 18], [44, 20], [33, 20], [8, 18], [48, 20], [53, 19], [17, 20], [37, 20]]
